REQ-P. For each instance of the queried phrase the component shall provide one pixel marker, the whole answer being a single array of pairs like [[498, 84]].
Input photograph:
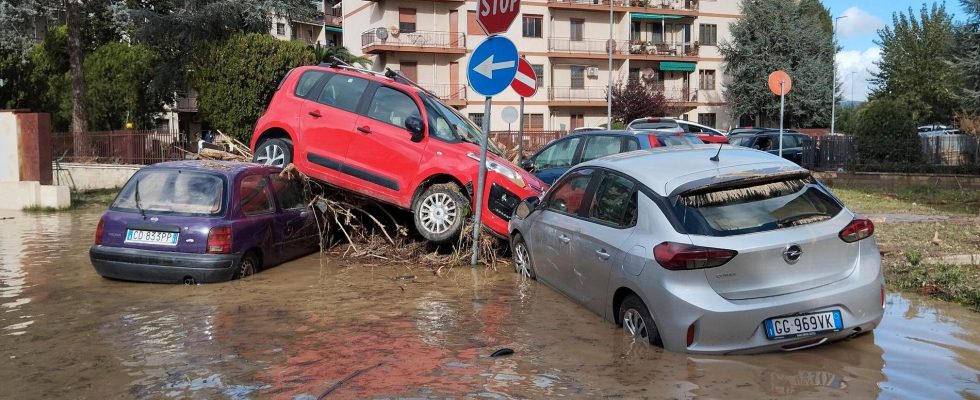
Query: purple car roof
[[227, 168]]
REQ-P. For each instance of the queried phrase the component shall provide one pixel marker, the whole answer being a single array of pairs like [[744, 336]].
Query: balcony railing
[[586, 93], [446, 91], [423, 39], [652, 5], [671, 94], [589, 46], [333, 20], [677, 49], [617, 3]]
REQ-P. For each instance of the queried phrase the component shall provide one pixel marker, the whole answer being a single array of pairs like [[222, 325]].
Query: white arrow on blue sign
[[492, 66]]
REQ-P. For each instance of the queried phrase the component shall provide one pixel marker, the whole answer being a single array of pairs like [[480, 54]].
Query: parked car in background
[[561, 154], [706, 134], [203, 221], [745, 254], [383, 137], [936, 130], [767, 139]]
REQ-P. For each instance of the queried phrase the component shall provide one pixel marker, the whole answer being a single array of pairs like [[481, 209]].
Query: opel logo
[[792, 253]]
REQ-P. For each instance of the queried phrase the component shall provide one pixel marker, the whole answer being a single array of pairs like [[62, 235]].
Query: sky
[[857, 32]]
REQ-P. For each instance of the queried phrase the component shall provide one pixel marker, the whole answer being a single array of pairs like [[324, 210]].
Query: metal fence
[[436, 39], [534, 140], [939, 153], [119, 147]]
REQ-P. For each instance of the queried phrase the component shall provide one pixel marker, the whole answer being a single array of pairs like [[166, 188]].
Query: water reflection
[[321, 324]]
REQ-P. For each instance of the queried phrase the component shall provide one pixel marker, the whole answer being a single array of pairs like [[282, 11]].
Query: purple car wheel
[[248, 266]]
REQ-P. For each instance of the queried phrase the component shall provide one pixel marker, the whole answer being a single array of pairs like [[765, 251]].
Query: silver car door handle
[[602, 254], [564, 239]]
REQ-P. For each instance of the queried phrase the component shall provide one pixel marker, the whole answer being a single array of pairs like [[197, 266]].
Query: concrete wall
[[95, 176], [888, 180]]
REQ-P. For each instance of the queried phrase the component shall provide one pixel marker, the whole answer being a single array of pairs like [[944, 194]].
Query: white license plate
[[151, 237], [803, 325]]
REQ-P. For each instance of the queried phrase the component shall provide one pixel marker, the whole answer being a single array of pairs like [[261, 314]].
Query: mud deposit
[[297, 330]]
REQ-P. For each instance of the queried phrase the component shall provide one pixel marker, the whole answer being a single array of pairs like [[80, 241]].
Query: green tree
[[915, 64], [966, 59], [235, 78], [50, 86], [118, 77], [886, 133], [786, 35], [847, 119], [326, 54], [632, 100]]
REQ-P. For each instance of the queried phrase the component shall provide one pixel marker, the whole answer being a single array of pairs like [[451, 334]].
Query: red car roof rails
[[389, 73]]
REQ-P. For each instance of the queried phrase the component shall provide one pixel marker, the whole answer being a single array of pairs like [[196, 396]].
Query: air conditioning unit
[[592, 72]]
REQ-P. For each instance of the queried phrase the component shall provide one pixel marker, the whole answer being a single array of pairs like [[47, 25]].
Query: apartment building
[[323, 28], [669, 45]]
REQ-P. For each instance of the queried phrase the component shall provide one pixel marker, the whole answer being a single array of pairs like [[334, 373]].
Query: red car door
[[328, 125], [382, 154]]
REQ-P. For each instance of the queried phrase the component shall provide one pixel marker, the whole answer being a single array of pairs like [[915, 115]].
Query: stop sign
[[495, 16]]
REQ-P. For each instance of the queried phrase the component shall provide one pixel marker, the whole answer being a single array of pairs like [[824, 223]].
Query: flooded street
[[298, 330]]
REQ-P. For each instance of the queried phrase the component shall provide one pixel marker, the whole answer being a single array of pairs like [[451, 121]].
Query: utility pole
[[833, 77], [610, 46], [852, 87]]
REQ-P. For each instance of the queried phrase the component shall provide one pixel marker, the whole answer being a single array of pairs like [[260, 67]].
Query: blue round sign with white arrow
[[492, 66]]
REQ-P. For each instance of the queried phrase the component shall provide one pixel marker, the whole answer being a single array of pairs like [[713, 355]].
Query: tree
[[50, 86], [118, 77], [235, 78], [966, 60], [886, 133], [781, 35], [326, 54], [847, 119], [79, 111], [175, 30], [914, 66], [632, 100]]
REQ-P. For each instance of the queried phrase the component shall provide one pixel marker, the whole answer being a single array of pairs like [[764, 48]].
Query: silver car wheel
[[438, 213], [522, 259], [634, 324], [271, 155]]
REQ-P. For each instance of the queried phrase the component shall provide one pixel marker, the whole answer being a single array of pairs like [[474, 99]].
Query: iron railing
[[589, 46], [653, 5], [586, 93], [534, 140], [617, 3], [446, 91], [671, 49], [333, 20], [120, 147], [830, 153], [431, 39]]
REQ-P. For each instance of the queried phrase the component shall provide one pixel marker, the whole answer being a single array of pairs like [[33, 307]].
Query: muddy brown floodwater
[[295, 331]]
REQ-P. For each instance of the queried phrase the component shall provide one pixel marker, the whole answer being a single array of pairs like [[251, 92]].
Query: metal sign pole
[[478, 224], [520, 134], [782, 104]]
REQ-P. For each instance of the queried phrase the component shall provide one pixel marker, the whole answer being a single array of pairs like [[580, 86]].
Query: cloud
[[859, 23], [861, 63]]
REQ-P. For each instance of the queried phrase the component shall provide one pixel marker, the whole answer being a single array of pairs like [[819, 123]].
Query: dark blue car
[[203, 221], [556, 157]]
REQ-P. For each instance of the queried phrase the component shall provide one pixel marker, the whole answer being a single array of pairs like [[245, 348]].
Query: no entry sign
[[495, 16], [525, 81]]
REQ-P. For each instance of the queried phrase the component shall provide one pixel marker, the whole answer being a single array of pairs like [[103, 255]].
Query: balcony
[[669, 7], [377, 41], [663, 49], [333, 20], [451, 94], [622, 49], [577, 96], [674, 95]]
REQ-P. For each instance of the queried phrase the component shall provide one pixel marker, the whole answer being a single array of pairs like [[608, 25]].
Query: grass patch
[[959, 283], [82, 199], [955, 237], [913, 199]]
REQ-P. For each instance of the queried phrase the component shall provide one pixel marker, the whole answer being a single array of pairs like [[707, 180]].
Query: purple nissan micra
[[203, 221]]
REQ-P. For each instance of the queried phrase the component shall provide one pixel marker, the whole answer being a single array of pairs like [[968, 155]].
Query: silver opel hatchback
[[735, 252]]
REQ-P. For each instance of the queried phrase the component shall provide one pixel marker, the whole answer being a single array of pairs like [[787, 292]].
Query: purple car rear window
[[168, 191]]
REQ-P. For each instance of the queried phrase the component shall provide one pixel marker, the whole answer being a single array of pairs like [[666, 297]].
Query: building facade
[[669, 45]]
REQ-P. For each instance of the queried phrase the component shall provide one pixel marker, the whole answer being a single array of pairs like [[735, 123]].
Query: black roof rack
[[389, 73]]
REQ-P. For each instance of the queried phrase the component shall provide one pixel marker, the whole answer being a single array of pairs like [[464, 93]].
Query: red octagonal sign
[[495, 16]]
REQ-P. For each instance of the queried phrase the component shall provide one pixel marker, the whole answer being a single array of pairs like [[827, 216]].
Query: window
[[577, 27], [615, 201], [477, 119], [409, 69], [255, 195], [636, 31], [707, 79], [393, 107], [708, 119], [789, 141], [406, 20], [281, 29], [578, 77], [343, 92], [306, 83], [690, 128], [568, 195], [533, 122], [539, 73], [601, 146], [289, 193], [169, 191], [532, 26], [473, 27], [708, 35], [559, 155], [632, 144], [576, 121]]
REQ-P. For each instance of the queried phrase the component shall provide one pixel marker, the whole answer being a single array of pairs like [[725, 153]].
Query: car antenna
[[715, 158]]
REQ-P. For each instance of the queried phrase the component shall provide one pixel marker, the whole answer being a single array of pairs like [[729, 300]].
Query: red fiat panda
[[383, 137]]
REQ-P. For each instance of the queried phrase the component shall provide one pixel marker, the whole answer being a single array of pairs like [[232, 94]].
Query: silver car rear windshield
[[171, 191], [653, 125], [763, 206]]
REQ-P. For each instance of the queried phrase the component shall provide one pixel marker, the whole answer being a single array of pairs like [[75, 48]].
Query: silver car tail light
[[859, 228], [679, 256]]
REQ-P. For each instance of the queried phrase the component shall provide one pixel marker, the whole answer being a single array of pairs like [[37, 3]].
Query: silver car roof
[[664, 169]]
